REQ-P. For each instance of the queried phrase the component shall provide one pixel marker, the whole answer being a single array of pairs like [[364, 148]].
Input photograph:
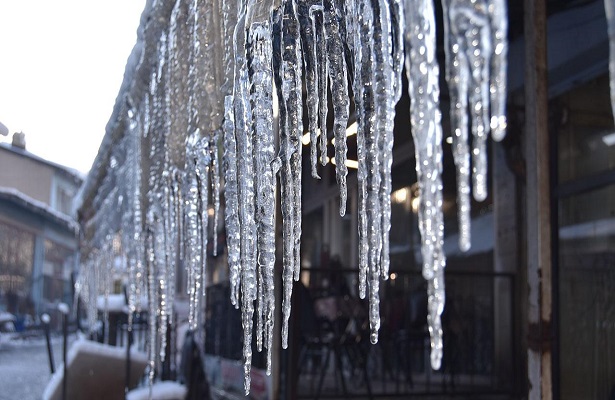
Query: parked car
[[7, 326]]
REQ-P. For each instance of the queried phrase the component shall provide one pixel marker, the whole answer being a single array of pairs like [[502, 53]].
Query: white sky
[[61, 66]]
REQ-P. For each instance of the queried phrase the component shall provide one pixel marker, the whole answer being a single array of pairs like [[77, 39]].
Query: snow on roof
[[165, 390], [38, 207]]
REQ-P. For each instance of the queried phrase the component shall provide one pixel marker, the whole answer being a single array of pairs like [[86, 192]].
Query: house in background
[[38, 233]]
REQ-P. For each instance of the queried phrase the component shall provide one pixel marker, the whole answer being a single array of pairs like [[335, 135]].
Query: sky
[[61, 66]]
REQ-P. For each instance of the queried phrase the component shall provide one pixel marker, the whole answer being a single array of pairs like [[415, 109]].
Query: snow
[[40, 207], [24, 367], [165, 390], [5, 316], [102, 352], [112, 303]]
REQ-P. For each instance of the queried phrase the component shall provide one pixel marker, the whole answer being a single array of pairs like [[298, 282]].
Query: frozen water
[[231, 217], [261, 53], [339, 94], [610, 16], [422, 69], [476, 50], [218, 66]]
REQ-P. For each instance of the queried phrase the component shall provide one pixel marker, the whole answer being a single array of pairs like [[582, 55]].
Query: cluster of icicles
[[220, 68], [354, 50]]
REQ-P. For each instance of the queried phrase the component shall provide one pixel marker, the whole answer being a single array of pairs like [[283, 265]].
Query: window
[[16, 261]]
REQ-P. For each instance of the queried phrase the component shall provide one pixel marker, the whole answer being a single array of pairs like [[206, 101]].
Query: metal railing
[[478, 324]]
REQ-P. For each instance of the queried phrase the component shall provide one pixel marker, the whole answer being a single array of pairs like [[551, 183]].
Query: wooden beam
[[538, 203]]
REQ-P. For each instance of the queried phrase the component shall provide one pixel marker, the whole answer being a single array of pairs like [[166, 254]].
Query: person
[[11, 301], [338, 284]]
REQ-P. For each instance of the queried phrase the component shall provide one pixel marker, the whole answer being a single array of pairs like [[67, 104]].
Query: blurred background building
[[38, 232]]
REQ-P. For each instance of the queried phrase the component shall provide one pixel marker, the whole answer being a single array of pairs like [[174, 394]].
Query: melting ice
[[347, 53]]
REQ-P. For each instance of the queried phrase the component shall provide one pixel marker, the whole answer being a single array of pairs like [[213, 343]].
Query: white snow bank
[[5, 316], [96, 361], [113, 303], [116, 303], [166, 390]]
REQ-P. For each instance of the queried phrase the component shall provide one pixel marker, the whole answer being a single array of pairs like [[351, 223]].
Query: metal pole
[[46, 319], [128, 345], [63, 308], [538, 203]]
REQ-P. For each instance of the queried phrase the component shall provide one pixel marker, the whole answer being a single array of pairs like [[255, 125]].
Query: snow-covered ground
[[24, 367]]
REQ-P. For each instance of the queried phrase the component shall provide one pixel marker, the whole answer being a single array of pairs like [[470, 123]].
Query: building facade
[[38, 234]]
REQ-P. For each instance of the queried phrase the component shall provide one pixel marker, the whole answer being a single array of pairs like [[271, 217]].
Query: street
[[24, 368]]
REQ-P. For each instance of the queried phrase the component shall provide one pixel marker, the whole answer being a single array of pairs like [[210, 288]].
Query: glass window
[[16, 261], [56, 272], [586, 137], [587, 298]]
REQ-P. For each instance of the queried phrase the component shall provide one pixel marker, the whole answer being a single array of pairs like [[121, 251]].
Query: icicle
[[308, 42], [152, 301], [339, 94], [610, 17], [285, 174], [322, 70], [355, 15], [497, 85], [388, 89], [171, 228], [288, 81], [202, 163], [107, 263], [193, 230], [161, 278], [229, 20], [294, 108], [457, 76], [260, 54], [245, 168], [373, 159], [476, 50], [135, 249], [215, 186], [422, 70], [230, 195]]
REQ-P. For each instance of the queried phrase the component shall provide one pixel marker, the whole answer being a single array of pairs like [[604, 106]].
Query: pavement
[[24, 367]]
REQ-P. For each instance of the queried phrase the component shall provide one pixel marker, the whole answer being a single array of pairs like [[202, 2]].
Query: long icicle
[[396, 51], [422, 69], [261, 52], [245, 166], [339, 95], [292, 63], [290, 152], [457, 76], [308, 43], [373, 158], [610, 17], [231, 216], [353, 16]]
